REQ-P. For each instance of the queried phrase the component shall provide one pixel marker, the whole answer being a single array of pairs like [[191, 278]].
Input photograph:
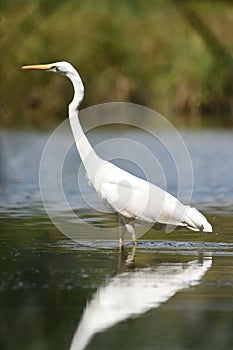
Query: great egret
[[131, 197]]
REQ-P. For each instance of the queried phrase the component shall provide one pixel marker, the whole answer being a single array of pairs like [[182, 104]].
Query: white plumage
[[131, 197]]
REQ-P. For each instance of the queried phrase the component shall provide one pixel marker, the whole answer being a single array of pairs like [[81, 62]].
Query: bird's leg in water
[[126, 225], [122, 230], [126, 259], [131, 256]]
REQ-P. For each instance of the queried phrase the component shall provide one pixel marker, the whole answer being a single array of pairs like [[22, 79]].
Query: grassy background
[[173, 56]]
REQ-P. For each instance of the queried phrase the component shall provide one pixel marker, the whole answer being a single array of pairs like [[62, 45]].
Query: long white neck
[[88, 156]]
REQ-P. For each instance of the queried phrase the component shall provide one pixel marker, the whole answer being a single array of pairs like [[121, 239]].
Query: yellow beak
[[38, 67]]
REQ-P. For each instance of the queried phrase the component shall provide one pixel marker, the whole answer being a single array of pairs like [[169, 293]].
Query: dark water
[[54, 292]]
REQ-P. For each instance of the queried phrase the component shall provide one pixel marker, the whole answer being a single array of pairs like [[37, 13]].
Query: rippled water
[[58, 294]]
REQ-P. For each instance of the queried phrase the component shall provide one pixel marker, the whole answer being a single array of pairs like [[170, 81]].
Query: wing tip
[[198, 220], [207, 228]]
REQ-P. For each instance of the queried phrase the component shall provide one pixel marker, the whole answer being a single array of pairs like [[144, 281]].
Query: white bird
[[131, 197]]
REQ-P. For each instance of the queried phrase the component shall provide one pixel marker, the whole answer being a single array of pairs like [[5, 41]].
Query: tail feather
[[196, 221]]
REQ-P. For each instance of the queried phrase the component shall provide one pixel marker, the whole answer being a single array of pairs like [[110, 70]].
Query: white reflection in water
[[134, 292]]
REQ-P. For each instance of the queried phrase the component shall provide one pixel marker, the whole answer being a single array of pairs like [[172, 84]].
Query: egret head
[[63, 68]]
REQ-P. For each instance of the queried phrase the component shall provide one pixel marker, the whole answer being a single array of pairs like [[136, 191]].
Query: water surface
[[54, 292]]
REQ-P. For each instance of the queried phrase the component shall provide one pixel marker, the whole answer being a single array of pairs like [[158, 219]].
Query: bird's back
[[138, 199]]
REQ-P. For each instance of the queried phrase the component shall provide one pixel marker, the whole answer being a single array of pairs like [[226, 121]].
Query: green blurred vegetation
[[171, 55]]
